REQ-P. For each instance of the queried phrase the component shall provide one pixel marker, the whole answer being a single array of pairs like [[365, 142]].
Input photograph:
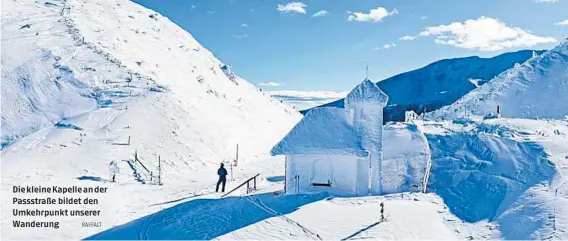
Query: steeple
[[366, 92]]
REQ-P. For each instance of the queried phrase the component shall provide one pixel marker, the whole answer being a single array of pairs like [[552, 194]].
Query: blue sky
[[282, 42]]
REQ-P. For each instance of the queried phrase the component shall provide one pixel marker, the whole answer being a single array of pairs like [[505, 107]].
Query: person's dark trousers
[[223, 180]]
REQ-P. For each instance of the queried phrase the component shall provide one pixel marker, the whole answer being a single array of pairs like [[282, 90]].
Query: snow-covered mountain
[[536, 89], [65, 63], [441, 83]]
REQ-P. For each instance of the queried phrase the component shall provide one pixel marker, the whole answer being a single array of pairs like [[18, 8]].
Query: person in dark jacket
[[222, 172]]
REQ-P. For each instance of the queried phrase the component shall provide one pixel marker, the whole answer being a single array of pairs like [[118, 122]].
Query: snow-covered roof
[[322, 131], [367, 91]]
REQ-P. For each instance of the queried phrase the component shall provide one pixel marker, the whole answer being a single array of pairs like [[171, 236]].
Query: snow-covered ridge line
[[534, 89]]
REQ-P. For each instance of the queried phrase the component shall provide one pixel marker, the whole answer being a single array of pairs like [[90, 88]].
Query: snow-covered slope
[[511, 172], [441, 83], [62, 59], [536, 89]]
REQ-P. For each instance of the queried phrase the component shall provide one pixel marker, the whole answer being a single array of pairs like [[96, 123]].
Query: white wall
[[403, 174], [348, 174]]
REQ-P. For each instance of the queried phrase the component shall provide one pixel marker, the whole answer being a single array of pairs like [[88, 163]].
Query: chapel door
[[322, 173]]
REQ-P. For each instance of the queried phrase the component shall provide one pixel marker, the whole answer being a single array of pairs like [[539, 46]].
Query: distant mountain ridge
[[441, 83]]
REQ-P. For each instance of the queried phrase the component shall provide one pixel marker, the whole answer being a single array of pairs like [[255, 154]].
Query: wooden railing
[[242, 184], [136, 160]]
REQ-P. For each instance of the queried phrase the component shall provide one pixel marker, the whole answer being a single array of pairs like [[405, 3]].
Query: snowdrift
[[504, 171], [535, 89]]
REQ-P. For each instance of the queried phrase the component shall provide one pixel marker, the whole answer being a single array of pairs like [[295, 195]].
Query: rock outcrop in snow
[[535, 89]]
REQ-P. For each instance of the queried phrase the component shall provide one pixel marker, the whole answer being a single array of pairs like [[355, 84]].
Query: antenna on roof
[[367, 71]]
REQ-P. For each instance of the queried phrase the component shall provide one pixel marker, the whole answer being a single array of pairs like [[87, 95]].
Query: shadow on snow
[[275, 179], [181, 199], [480, 177], [90, 178], [206, 218]]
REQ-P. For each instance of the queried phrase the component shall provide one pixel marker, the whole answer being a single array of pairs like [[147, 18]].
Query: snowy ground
[[407, 216], [263, 216]]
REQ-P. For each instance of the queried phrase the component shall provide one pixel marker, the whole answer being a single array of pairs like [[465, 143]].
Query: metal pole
[[232, 179], [382, 212], [159, 170], [237, 158]]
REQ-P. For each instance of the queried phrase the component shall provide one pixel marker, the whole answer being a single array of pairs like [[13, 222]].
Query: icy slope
[[512, 172], [441, 83], [536, 89]]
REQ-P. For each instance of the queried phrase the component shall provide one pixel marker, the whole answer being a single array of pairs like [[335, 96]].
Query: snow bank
[[499, 170]]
